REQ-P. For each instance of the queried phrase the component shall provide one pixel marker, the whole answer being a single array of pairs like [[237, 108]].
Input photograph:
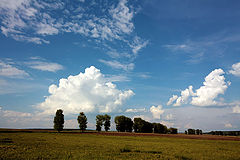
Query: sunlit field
[[52, 145]]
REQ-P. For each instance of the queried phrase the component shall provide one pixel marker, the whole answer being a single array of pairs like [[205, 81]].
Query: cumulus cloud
[[136, 110], [87, 92], [156, 111], [213, 86], [206, 95], [44, 66], [117, 65], [236, 109], [8, 70], [235, 69], [183, 99], [172, 99]]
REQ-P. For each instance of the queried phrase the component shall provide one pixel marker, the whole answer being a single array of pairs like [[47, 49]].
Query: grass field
[[52, 145]]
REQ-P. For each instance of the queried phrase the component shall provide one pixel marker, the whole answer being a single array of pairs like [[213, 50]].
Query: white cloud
[[44, 66], [87, 92], [144, 117], [236, 109], [8, 70], [46, 29], [168, 124], [183, 99], [122, 17], [117, 65], [15, 119], [108, 24], [228, 125], [172, 99], [235, 69], [136, 110], [12, 4], [206, 95], [156, 111], [117, 78], [213, 86], [138, 44]]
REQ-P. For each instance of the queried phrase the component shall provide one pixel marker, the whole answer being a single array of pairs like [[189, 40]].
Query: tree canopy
[[100, 119], [123, 124], [82, 121], [142, 126], [59, 120]]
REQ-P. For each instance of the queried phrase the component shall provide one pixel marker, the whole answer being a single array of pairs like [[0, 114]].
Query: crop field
[[76, 145]]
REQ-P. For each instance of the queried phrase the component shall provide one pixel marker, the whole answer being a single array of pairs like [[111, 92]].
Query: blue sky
[[173, 62]]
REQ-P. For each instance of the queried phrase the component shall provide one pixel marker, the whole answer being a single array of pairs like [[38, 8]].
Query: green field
[[90, 146]]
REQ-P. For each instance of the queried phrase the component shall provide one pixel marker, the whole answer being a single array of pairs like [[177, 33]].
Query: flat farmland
[[43, 144]]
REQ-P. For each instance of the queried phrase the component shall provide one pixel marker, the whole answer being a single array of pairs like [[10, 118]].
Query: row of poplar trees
[[59, 121], [82, 121], [123, 124]]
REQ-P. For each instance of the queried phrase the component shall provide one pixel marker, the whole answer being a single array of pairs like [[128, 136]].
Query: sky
[[171, 62]]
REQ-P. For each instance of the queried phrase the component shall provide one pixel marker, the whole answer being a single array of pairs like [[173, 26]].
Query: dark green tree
[[173, 130], [107, 122], [123, 124], [147, 127], [99, 122], [82, 121], [191, 131], [120, 123], [138, 124], [197, 131], [129, 124], [142, 126], [59, 120]]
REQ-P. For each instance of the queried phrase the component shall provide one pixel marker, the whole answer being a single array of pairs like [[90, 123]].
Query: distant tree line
[[225, 133], [123, 124], [194, 131]]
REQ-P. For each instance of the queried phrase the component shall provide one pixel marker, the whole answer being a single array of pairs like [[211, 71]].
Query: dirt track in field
[[75, 131]]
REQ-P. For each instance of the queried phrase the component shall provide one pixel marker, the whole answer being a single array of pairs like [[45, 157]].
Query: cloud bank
[[85, 92]]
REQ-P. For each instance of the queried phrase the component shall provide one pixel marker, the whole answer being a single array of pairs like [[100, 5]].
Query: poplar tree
[[82, 121], [59, 120]]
